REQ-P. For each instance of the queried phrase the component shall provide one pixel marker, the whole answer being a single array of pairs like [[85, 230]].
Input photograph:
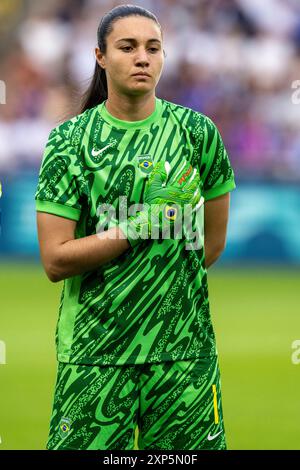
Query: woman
[[135, 343]]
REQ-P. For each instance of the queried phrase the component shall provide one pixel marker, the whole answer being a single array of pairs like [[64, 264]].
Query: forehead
[[136, 27]]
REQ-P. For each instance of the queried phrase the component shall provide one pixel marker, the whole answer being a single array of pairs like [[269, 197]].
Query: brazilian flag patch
[[170, 212], [145, 163], [64, 427]]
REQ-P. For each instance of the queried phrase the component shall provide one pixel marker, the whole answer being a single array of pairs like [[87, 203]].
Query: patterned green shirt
[[151, 303]]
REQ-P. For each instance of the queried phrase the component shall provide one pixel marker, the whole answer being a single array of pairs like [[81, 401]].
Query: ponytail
[[97, 91]]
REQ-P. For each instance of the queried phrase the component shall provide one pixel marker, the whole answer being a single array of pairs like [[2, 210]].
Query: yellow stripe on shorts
[[215, 404]]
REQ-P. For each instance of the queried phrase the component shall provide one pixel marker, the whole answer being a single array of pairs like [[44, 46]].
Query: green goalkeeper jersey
[[151, 303]]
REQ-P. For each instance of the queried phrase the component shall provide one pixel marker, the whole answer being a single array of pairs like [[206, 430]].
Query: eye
[[126, 48], [153, 49]]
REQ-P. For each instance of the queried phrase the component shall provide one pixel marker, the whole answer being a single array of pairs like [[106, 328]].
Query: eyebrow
[[132, 40]]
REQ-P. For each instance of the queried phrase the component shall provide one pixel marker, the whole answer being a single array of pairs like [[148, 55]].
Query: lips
[[141, 74]]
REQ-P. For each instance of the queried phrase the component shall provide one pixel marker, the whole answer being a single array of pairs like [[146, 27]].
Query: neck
[[130, 108]]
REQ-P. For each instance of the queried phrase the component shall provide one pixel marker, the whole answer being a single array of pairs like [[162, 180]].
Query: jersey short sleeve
[[58, 190], [216, 170]]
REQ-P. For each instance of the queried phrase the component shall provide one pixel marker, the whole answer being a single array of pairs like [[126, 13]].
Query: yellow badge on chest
[[145, 163]]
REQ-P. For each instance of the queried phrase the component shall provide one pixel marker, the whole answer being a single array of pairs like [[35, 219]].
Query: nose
[[141, 57]]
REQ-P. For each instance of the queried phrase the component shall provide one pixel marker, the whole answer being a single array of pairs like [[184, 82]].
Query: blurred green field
[[256, 318]]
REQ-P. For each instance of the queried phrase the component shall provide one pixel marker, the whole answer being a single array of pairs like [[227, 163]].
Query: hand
[[165, 198]]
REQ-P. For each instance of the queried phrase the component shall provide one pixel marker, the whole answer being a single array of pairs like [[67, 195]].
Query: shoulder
[[176, 108], [194, 118], [72, 130]]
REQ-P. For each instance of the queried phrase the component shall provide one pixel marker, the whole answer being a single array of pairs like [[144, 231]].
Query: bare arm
[[64, 256], [216, 213]]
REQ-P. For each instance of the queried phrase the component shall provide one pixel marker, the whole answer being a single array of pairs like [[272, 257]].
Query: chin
[[139, 92]]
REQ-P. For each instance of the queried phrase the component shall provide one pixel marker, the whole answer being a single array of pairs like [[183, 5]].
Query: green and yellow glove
[[165, 198]]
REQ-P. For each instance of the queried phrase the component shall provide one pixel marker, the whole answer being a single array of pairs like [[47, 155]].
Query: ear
[[100, 58]]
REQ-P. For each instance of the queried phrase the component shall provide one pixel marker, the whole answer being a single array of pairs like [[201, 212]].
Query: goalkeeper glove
[[167, 196]]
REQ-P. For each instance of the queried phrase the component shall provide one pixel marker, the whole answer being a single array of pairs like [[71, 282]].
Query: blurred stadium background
[[236, 61]]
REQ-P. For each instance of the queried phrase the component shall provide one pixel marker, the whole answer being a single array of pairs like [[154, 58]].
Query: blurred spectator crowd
[[233, 60]]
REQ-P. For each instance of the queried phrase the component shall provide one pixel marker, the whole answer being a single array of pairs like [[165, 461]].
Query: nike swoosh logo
[[210, 438], [95, 153]]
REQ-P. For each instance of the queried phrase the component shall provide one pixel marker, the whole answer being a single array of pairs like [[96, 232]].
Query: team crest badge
[[64, 427], [145, 163]]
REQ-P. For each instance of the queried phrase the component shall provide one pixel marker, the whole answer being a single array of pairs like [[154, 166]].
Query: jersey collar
[[119, 123]]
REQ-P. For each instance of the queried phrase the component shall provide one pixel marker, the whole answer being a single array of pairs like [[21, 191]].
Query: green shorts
[[175, 406]]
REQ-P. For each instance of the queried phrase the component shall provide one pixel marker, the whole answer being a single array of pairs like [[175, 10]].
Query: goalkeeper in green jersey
[[132, 208]]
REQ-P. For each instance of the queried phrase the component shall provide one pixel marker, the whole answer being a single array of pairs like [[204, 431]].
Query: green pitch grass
[[256, 318]]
